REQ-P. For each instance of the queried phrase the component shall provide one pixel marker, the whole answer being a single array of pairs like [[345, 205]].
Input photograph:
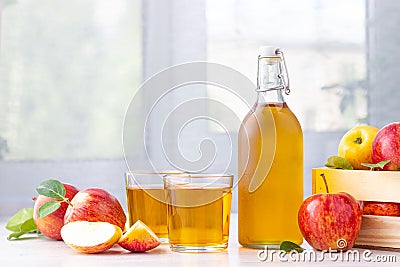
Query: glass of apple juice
[[145, 198], [198, 211]]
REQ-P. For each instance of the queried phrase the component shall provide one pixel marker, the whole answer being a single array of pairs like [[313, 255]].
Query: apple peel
[[51, 224], [139, 238], [95, 205], [90, 237]]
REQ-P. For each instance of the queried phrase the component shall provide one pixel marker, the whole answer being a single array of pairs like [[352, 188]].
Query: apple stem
[[68, 202], [326, 184]]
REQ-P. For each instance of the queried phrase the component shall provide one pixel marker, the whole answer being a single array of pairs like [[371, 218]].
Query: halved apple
[[139, 238], [90, 237]]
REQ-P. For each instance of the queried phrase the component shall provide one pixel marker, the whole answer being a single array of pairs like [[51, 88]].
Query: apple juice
[[197, 225], [270, 165], [149, 206]]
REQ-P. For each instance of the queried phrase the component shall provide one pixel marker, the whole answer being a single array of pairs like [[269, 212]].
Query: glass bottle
[[270, 161]]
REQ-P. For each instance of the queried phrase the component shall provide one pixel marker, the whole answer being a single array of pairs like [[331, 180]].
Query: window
[[325, 55], [68, 70]]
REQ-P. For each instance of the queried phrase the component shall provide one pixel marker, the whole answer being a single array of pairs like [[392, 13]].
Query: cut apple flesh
[[90, 237], [139, 238]]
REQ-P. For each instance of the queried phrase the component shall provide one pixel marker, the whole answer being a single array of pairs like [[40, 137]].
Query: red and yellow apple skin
[[139, 238], [95, 205], [356, 145], [386, 146], [330, 221], [51, 224], [381, 208]]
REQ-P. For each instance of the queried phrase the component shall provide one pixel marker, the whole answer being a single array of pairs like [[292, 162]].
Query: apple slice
[[90, 237], [139, 238]]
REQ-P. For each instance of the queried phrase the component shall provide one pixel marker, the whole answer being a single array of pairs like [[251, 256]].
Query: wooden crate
[[380, 232]]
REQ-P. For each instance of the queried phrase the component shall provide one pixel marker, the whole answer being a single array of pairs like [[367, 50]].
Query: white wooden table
[[45, 253]]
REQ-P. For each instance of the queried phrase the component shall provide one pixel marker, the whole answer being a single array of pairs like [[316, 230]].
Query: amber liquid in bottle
[[270, 168]]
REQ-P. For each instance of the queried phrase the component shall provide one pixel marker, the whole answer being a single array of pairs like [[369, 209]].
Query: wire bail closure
[[285, 80]]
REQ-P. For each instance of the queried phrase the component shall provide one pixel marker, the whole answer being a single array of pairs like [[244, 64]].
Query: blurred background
[[68, 70]]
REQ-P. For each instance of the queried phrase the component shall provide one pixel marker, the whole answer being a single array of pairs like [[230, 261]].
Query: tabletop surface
[[45, 252]]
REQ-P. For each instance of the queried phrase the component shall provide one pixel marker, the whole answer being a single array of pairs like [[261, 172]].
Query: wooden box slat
[[363, 185], [379, 231]]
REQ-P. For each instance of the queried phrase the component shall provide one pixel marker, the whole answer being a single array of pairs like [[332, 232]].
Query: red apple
[[95, 205], [330, 221], [381, 208], [386, 146], [51, 224]]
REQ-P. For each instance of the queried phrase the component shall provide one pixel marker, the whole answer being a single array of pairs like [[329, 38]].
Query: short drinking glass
[[145, 199], [198, 208]]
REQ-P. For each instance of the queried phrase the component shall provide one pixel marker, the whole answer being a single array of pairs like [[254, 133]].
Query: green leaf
[[288, 246], [52, 188], [15, 222], [336, 162], [21, 223], [15, 235], [25, 228], [377, 165], [29, 226], [48, 207]]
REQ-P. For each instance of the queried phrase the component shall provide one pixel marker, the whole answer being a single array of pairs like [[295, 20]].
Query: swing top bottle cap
[[267, 51]]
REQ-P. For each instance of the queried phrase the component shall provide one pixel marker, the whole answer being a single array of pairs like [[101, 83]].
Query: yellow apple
[[139, 238], [90, 237], [356, 145]]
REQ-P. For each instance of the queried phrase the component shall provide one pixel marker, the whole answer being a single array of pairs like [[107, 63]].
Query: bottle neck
[[270, 97], [269, 81]]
